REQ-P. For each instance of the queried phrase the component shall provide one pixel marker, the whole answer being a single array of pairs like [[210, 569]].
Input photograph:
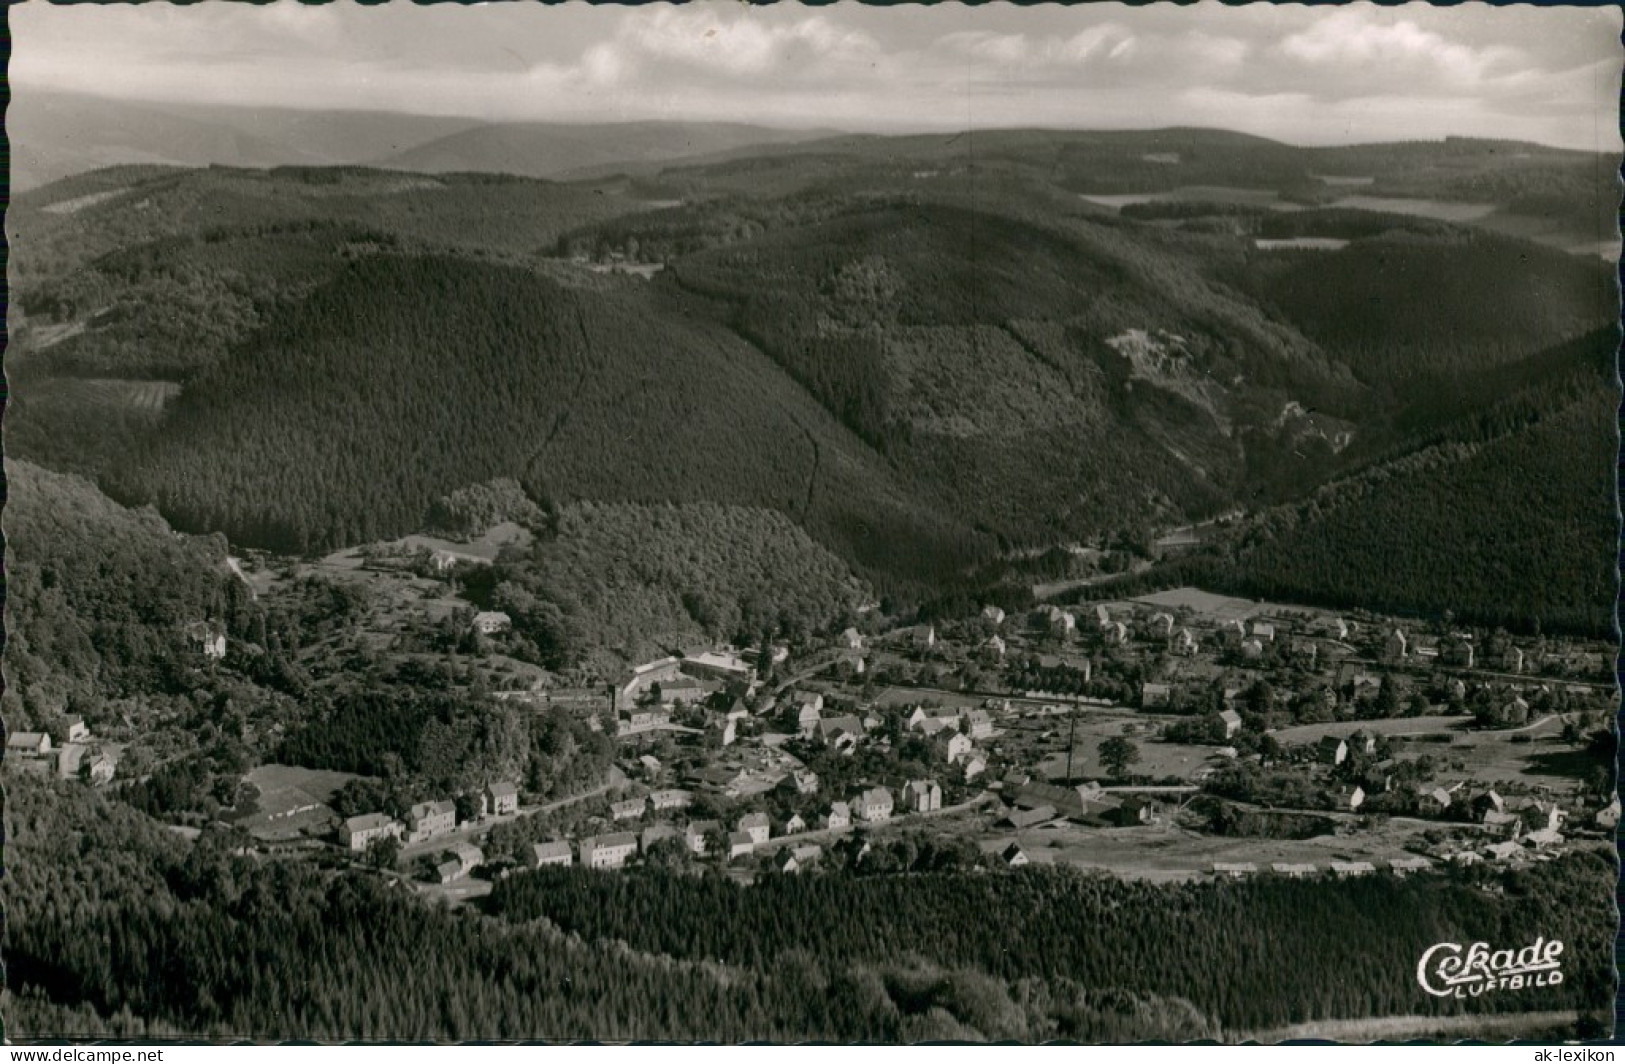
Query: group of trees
[[1252, 954]]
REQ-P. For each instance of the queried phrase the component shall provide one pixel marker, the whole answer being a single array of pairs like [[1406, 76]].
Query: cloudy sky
[[1306, 75]]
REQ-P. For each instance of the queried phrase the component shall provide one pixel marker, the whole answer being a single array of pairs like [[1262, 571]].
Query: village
[[1178, 735]]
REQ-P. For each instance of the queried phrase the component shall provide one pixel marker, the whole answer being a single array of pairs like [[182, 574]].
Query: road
[[472, 829]]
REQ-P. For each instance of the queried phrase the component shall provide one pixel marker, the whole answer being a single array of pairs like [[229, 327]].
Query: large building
[[643, 679], [359, 832]]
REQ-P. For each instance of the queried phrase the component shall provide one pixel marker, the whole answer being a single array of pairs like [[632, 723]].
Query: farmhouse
[[740, 844], [977, 723], [1155, 695], [1022, 819], [958, 748]]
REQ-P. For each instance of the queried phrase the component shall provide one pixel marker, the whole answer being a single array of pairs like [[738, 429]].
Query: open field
[[486, 547], [1165, 852], [292, 798]]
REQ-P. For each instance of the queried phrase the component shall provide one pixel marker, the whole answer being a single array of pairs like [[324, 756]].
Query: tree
[[1117, 754], [384, 852]]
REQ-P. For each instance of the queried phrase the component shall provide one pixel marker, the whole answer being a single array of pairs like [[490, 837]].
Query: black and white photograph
[[708, 523]]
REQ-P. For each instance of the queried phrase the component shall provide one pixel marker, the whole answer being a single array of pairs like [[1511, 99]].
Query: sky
[[1303, 75]]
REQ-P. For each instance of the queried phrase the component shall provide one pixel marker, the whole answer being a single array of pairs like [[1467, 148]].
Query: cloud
[[1359, 71]]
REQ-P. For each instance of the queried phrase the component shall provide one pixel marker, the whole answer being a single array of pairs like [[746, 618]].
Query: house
[[1515, 712], [359, 832], [807, 852], [1504, 851], [656, 833], [785, 861], [1336, 628], [726, 730], [1485, 802], [851, 639], [650, 764], [1608, 815], [1264, 631], [801, 781], [1363, 741], [1332, 750], [696, 834], [448, 871], [928, 723], [1155, 695], [795, 825], [808, 710], [543, 854], [1117, 633], [959, 747], [993, 649], [608, 851], [922, 796], [740, 844], [1293, 871], [756, 826], [722, 779], [426, 820], [501, 798], [716, 665], [1252, 649], [973, 768], [29, 743], [1512, 660], [467, 855], [100, 767], [630, 809], [442, 561], [1401, 866], [1234, 871], [74, 731], [1161, 625], [838, 818], [492, 622], [1395, 647], [1435, 801], [1059, 621], [976, 723], [993, 615], [924, 637], [1013, 856], [210, 640], [1022, 819], [1350, 869], [840, 732], [1133, 810], [1103, 618], [1352, 799], [874, 805], [660, 801], [1232, 722], [1502, 825], [1185, 643]]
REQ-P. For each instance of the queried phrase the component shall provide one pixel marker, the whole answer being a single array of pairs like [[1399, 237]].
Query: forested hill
[[407, 377], [98, 598], [1501, 509]]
